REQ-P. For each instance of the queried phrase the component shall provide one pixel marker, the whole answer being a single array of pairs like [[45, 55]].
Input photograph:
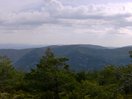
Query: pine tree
[[47, 75], [7, 73]]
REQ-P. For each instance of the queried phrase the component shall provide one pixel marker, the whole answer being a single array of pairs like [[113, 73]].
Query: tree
[[47, 76], [7, 73], [130, 53]]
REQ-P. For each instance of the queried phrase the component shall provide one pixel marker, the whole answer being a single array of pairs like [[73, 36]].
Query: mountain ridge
[[82, 57]]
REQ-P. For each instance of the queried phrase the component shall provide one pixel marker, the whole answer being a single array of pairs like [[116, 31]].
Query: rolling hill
[[82, 57]]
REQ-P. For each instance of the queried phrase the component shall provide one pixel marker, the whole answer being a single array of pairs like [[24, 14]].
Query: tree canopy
[[52, 79]]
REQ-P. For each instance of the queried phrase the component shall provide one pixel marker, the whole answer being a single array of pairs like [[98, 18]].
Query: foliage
[[52, 79]]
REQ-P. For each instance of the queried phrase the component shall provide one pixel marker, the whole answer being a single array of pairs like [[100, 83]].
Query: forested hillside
[[53, 79], [81, 57]]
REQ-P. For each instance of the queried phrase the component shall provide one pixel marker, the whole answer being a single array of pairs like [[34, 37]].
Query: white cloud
[[53, 21]]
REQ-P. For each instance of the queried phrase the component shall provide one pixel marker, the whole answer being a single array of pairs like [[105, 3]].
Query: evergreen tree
[[47, 76], [7, 73]]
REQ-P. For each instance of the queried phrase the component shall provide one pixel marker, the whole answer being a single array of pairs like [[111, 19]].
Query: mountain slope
[[82, 57]]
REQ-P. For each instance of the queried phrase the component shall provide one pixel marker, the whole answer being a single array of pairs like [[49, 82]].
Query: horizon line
[[28, 46]]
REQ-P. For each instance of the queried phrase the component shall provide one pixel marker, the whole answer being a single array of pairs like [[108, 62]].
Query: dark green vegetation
[[52, 79], [81, 57]]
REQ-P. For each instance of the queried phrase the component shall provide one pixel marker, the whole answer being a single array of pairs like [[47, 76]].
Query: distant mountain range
[[81, 57]]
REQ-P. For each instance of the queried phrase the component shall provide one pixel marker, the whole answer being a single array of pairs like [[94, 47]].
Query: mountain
[[81, 57]]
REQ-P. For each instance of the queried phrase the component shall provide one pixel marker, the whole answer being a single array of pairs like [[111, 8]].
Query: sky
[[58, 22]]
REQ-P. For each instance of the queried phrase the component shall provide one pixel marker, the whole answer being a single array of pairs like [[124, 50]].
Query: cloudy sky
[[49, 22]]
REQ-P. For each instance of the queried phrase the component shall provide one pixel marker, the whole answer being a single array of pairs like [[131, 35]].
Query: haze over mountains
[[81, 57], [19, 46]]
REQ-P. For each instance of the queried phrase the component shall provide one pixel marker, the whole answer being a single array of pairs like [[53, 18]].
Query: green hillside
[[82, 57]]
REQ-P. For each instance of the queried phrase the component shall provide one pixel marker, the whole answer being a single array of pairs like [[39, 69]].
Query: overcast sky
[[49, 22]]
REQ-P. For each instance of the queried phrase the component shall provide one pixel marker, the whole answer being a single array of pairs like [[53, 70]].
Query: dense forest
[[52, 79]]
